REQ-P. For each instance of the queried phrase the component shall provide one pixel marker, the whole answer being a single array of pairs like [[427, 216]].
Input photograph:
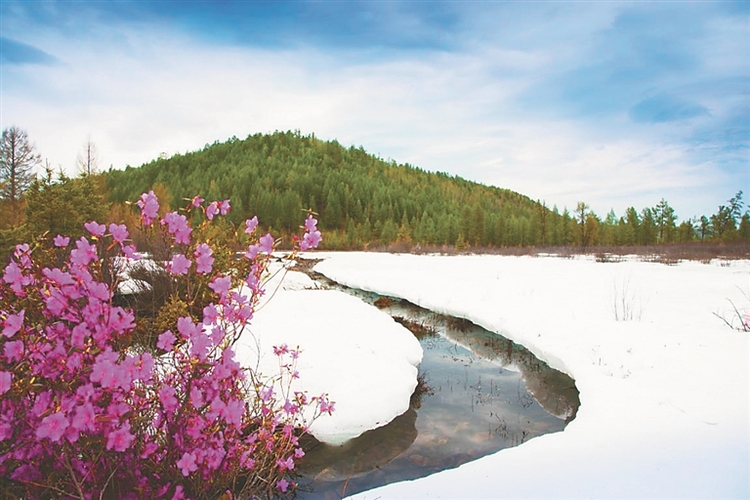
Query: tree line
[[362, 201]]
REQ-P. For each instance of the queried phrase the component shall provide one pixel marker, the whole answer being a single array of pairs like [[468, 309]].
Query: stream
[[477, 393]]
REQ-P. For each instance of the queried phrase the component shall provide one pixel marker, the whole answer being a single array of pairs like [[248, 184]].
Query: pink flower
[[85, 418], [266, 243], [121, 439], [310, 240], [282, 485], [251, 224], [210, 314], [285, 464], [179, 494], [61, 241], [95, 228], [252, 251], [52, 427], [187, 328], [13, 350], [149, 205], [129, 252], [197, 201], [166, 340], [167, 398], [13, 323], [266, 394], [178, 226], [6, 378], [187, 463], [310, 224], [221, 285], [212, 210], [15, 278], [119, 232], [224, 207], [203, 259], [325, 406], [180, 264], [84, 253]]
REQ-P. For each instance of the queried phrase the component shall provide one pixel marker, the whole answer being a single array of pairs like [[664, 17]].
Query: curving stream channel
[[478, 393]]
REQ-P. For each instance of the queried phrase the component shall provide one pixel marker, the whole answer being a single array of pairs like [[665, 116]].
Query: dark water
[[478, 393]]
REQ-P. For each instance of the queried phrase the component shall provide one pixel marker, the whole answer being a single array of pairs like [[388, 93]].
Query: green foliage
[[62, 206], [361, 199]]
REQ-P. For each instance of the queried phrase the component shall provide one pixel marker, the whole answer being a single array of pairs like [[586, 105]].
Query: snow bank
[[364, 360], [664, 396]]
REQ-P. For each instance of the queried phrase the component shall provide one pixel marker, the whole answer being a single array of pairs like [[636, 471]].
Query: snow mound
[[358, 355]]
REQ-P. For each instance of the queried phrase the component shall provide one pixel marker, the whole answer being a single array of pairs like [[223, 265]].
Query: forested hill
[[360, 199]]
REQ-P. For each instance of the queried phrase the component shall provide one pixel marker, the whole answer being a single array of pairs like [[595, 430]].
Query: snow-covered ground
[[664, 393]]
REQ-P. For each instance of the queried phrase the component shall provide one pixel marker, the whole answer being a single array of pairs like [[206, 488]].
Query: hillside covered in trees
[[363, 201]]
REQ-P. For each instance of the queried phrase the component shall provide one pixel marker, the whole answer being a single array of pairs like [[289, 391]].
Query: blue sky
[[615, 104]]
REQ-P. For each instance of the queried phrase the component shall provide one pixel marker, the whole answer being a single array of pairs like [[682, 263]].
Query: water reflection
[[478, 393]]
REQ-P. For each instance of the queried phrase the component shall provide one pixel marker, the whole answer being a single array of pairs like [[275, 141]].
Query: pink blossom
[[251, 224], [16, 279], [310, 224], [121, 439], [212, 210], [130, 252], [196, 397], [325, 406], [13, 350], [199, 345], [252, 251], [52, 427], [282, 485], [85, 418], [166, 341], [179, 494], [178, 227], [203, 259], [310, 240], [119, 232], [61, 241], [197, 201], [149, 205], [210, 314], [167, 398], [187, 328], [58, 276], [221, 285], [6, 378], [285, 464], [266, 243], [13, 323], [280, 350], [84, 253], [224, 207], [95, 228], [179, 264], [187, 463], [23, 254]]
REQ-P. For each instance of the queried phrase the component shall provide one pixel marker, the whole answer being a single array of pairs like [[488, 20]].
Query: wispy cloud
[[615, 104]]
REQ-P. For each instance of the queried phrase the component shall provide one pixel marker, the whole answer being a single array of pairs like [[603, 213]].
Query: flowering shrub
[[86, 413]]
